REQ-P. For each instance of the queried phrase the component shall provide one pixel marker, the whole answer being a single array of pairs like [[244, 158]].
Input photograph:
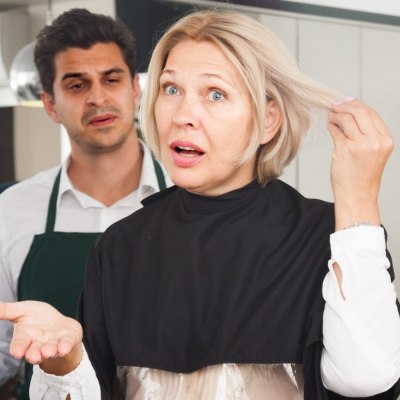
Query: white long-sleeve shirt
[[361, 331], [23, 212]]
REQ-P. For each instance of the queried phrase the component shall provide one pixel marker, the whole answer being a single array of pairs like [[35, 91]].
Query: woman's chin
[[186, 182]]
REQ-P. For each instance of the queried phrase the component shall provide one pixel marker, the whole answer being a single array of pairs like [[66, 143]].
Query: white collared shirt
[[23, 212]]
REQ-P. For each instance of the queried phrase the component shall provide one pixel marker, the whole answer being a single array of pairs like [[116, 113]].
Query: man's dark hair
[[83, 29]]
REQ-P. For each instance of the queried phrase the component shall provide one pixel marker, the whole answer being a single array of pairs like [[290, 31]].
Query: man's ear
[[273, 121], [136, 89], [50, 106]]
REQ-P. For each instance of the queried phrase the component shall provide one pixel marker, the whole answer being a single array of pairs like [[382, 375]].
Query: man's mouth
[[102, 120]]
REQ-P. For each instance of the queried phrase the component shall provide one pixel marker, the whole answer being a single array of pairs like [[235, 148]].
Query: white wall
[[389, 7]]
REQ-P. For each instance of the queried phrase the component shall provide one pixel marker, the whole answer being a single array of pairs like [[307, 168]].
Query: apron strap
[[160, 175], [51, 211]]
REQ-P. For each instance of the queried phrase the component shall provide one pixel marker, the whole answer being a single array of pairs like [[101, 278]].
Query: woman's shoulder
[[290, 194], [289, 201], [135, 223]]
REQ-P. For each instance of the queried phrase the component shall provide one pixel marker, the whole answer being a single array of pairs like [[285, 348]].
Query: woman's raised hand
[[43, 335], [363, 145]]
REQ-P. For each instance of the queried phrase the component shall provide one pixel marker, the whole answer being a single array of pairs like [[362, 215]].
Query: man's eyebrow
[[72, 75], [83, 74], [115, 70]]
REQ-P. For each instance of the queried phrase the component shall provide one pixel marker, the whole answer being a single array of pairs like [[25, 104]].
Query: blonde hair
[[269, 72]]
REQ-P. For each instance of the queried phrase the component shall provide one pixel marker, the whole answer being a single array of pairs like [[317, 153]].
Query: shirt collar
[[148, 180], [148, 184]]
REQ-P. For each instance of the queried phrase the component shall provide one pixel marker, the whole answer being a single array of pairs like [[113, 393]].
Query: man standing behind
[[48, 222]]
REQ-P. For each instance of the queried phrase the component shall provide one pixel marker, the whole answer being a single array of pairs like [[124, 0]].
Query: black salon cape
[[190, 281]]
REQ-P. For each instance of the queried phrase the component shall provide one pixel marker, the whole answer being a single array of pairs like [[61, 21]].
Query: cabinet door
[[329, 53], [381, 89]]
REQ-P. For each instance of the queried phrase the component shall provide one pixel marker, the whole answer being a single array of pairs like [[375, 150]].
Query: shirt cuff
[[360, 252], [78, 383], [358, 238]]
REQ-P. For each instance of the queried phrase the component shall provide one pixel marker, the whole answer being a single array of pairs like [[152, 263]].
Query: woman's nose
[[187, 113]]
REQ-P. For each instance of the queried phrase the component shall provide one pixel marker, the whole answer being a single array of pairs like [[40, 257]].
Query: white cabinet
[[329, 53], [286, 29]]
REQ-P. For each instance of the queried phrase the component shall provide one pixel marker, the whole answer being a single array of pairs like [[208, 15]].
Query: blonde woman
[[231, 285]]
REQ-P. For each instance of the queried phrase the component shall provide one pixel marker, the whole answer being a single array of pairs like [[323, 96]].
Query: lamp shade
[[24, 77]]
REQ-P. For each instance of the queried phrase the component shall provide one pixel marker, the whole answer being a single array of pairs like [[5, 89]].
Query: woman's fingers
[[362, 147], [34, 353], [366, 132], [66, 344], [50, 348], [346, 124], [9, 311], [336, 133], [40, 331], [20, 344], [69, 336], [368, 120]]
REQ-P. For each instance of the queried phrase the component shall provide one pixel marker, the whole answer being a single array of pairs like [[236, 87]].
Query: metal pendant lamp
[[24, 77]]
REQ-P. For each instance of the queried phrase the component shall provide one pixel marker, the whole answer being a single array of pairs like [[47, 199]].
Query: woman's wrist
[[352, 215], [61, 366]]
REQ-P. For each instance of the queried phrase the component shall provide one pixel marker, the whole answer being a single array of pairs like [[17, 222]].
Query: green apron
[[54, 268]]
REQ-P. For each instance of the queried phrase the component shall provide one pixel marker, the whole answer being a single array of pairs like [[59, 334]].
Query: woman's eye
[[216, 95], [171, 90]]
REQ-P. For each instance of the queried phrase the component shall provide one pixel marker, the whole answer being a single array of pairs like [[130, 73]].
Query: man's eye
[[216, 95], [76, 86], [171, 90]]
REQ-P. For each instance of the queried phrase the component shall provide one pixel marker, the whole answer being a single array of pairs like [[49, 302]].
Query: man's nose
[[97, 95]]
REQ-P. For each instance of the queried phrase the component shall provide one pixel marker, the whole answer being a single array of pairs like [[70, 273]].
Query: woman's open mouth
[[186, 154]]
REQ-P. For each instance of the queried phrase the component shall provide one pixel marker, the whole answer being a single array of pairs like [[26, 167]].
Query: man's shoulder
[[30, 189]]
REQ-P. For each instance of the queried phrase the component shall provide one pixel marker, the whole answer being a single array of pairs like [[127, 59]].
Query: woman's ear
[[273, 121]]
